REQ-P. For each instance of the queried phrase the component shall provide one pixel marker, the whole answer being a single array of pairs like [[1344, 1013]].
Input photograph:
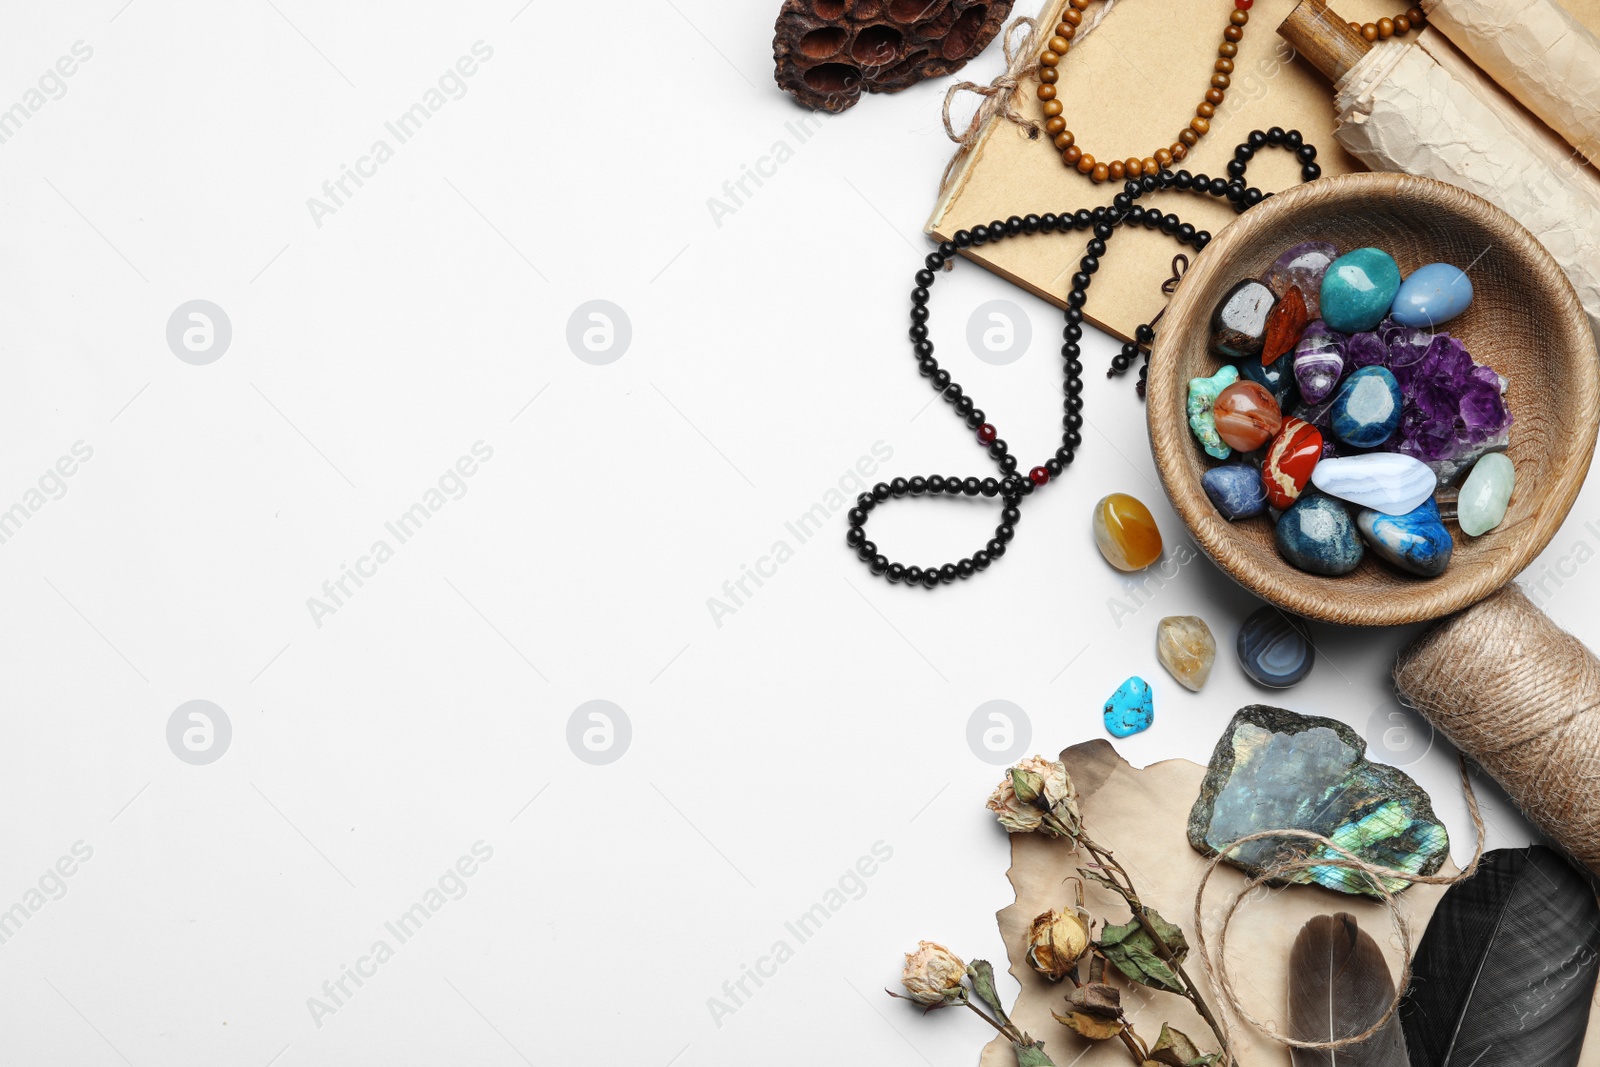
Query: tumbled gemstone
[[1485, 494], [1273, 769], [1246, 416], [1236, 490], [1276, 377], [1130, 709], [1239, 324], [1318, 361], [1302, 267], [1416, 541], [1431, 295], [1274, 649], [1317, 536], [1126, 532], [1187, 650], [1383, 481], [1358, 289], [1290, 457], [1203, 393], [1285, 323], [1366, 410]]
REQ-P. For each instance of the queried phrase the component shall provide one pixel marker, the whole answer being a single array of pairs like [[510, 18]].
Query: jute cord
[[1215, 966], [998, 96]]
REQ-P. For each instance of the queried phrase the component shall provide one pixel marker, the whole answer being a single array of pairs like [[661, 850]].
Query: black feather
[[1506, 970], [1339, 984]]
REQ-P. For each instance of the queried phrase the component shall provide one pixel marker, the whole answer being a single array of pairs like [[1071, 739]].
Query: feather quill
[[1339, 984], [1506, 969]]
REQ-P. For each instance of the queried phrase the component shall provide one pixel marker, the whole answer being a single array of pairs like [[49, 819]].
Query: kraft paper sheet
[[1142, 815]]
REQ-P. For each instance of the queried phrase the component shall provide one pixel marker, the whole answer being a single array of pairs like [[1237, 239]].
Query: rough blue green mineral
[[1275, 769]]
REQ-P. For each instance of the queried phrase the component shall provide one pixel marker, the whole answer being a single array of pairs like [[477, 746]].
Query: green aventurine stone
[[1275, 769], [1485, 494]]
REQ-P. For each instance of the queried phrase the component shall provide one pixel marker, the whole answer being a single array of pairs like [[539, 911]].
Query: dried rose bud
[[1056, 941], [933, 974], [1037, 794]]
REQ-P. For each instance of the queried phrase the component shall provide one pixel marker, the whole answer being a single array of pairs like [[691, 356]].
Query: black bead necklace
[[1012, 488]]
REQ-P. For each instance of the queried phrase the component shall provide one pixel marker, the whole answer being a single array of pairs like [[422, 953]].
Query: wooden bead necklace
[[1055, 126]]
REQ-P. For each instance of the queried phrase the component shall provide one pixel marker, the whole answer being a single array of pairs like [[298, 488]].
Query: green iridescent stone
[[1275, 769]]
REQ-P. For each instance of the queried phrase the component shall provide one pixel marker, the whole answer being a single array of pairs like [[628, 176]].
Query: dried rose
[[1056, 940], [932, 974], [1037, 794]]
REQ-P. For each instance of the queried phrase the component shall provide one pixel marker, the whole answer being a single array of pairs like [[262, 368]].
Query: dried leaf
[[1090, 1026], [1096, 998], [982, 975], [1031, 1055], [1131, 948], [1174, 1049]]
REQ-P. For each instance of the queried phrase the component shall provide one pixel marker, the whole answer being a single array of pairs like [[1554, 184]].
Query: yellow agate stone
[[1126, 532]]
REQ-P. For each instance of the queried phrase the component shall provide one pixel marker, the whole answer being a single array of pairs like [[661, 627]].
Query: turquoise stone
[[1416, 541], [1431, 295], [1274, 648], [1274, 769], [1358, 289], [1203, 393], [1366, 409], [1131, 708], [1317, 536], [1485, 494]]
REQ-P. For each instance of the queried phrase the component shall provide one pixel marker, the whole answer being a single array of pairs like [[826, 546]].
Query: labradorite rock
[[1275, 769]]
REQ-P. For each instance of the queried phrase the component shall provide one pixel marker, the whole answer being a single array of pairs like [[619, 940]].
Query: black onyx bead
[[1122, 201], [922, 349], [1102, 232], [919, 332], [1183, 179], [881, 491], [919, 295], [1292, 139], [947, 249], [1080, 280], [895, 571], [1008, 463], [952, 484], [1201, 238], [996, 548], [1073, 439], [980, 235], [1244, 152], [980, 560], [1030, 224], [1010, 516], [1070, 350], [1275, 135], [919, 313], [1048, 222], [936, 483], [854, 536], [879, 564], [1097, 247], [1076, 299], [913, 575], [1218, 187], [1236, 168], [1186, 232], [1256, 139], [963, 239], [857, 516], [1089, 264], [963, 405], [934, 261], [998, 448], [1254, 196], [918, 485], [866, 550], [970, 486], [966, 568], [1144, 334], [947, 573], [975, 418], [1306, 153], [1072, 332], [1310, 172], [941, 379], [1235, 192], [1083, 218], [989, 486], [925, 277], [1149, 183], [1202, 182], [927, 366], [1072, 421], [1136, 215], [997, 229], [1053, 466], [1064, 454], [899, 487], [930, 577], [1014, 226]]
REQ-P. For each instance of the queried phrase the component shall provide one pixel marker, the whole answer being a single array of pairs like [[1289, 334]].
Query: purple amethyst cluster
[[1454, 409]]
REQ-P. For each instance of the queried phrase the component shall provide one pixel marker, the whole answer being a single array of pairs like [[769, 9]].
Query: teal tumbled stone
[[1358, 289], [1130, 709], [1274, 769]]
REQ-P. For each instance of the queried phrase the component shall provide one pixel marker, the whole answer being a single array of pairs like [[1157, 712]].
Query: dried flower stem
[[1123, 884]]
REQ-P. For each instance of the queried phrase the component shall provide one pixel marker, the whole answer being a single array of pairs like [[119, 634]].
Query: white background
[[429, 312]]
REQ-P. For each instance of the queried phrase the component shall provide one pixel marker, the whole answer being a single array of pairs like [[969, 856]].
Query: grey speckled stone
[[1275, 769]]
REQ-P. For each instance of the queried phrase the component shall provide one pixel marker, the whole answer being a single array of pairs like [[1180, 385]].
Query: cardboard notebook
[[1128, 89]]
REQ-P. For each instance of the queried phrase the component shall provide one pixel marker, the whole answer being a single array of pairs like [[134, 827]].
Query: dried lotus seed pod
[[828, 51]]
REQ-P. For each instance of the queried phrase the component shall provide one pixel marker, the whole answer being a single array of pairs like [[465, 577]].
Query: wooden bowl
[[1525, 321]]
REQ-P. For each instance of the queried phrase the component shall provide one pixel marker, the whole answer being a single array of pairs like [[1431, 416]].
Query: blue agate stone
[[1236, 490], [1416, 541], [1276, 378], [1274, 648], [1317, 535], [1131, 708], [1358, 289], [1366, 409], [1431, 295]]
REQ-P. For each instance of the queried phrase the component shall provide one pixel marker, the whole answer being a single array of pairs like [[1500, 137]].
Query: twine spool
[[1520, 697]]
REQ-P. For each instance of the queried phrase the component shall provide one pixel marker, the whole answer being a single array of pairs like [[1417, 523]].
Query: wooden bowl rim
[[1283, 585]]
